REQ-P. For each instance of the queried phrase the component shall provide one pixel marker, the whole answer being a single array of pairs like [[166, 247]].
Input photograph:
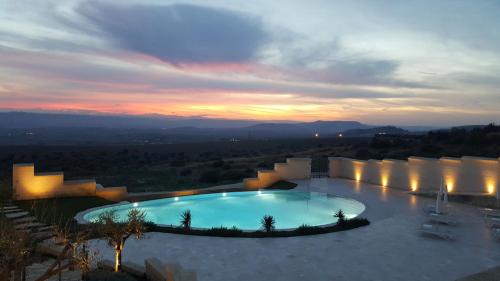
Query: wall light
[[384, 181], [449, 186], [491, 188], [414, 185], [358, 176]]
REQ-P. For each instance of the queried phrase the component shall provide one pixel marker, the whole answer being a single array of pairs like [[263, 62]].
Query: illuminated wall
[[294, 168], [465, 175], [424, 173], [28, 185]]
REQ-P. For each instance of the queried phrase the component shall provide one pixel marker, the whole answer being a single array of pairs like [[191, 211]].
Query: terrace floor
[[390, 248]]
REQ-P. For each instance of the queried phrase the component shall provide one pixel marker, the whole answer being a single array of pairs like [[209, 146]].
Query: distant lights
[[224, 194], [340, 135], [316, 135], [176, 198], [135, 205], [259, 192]]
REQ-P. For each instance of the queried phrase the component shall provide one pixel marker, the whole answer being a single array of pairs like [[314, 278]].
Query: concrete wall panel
[[466, 175]]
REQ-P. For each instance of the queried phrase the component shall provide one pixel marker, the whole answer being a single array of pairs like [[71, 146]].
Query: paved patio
[[391, 248]]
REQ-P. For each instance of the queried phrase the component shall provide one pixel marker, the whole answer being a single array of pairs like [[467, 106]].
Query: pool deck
[[390, 248]]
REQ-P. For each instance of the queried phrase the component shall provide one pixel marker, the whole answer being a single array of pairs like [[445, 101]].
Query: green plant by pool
[[243, 210]]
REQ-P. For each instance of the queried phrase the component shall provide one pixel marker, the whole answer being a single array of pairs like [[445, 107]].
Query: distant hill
[[274, 130], [14, 120], [386, 130], [177, 125], [43, 128]]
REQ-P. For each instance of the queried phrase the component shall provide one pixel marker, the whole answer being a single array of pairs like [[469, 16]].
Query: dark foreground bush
[[235, 232], [103, 275]]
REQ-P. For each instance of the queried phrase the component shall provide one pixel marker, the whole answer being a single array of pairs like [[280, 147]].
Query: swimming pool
[[243, 210]]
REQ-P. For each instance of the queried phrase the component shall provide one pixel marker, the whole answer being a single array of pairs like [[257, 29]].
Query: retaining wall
[[28, 185], [294, 168], [465, 175]]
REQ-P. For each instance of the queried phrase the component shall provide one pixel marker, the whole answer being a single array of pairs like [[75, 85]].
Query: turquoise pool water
[[243, 209]]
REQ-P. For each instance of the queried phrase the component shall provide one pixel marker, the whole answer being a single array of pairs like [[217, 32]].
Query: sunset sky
[[379, 62]]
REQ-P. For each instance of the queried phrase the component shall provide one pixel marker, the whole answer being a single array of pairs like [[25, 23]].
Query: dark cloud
[[179, 33], [360, 71]]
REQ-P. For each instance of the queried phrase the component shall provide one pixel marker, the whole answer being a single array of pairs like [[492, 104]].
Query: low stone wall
[[28, 185], [294, 168], [465, 175]]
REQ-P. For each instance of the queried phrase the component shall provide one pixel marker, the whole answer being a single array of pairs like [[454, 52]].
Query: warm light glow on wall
[[384, 181], [358, 176], [414, 185], [491, 187], [449, 185]]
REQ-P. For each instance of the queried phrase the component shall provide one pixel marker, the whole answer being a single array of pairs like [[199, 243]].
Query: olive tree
[[116, 231], [15, 249]]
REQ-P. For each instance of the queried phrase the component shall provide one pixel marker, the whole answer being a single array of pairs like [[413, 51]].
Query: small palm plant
[[186, 219], [268, 223], [341, 220]]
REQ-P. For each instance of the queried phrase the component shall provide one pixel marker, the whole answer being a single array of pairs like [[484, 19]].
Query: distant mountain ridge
[[61, 120], [181, 126]]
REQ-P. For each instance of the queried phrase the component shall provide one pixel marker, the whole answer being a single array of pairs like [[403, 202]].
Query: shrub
[[218, 163], [341, 220], [186, 172], [224, 231], [178, 163], [307, 229], [211, 176], [233, 175], [268, 223], [186, 219]]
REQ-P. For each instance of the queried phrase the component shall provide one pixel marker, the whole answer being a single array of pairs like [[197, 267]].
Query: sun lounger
[[435, 231], [442, 219], [431, 208], [493, 222], [496, 233], [491, 213]]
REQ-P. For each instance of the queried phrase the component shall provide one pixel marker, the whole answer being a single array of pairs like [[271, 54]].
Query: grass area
[[282, 185], [60, 210]]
